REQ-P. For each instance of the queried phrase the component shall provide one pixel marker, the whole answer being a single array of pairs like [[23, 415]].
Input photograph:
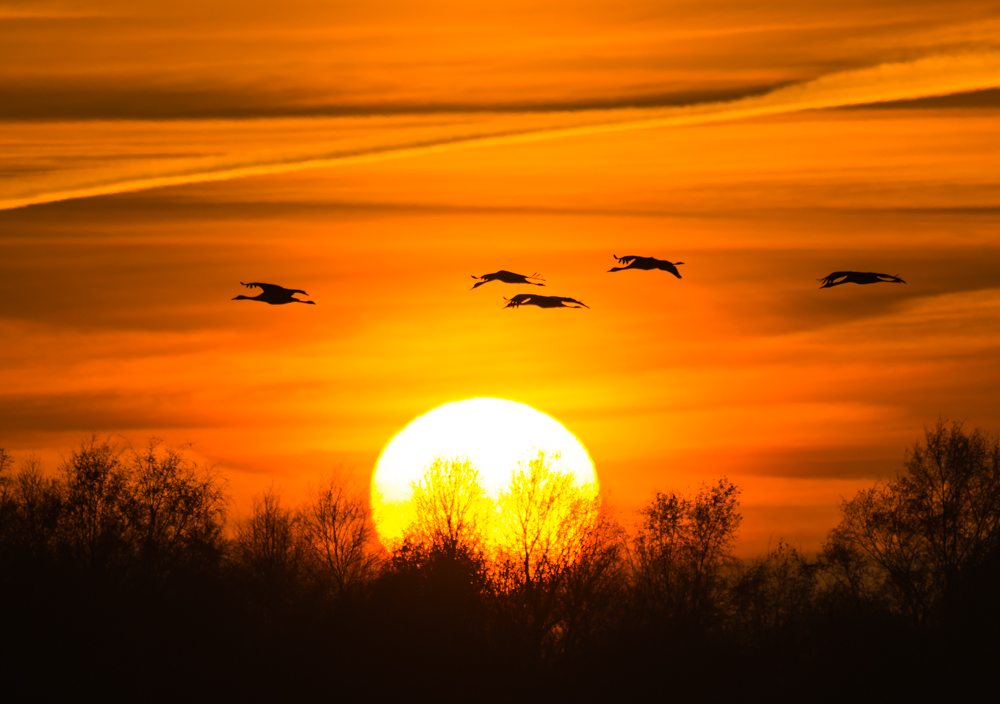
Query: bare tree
[[176, 509], [593, 592], [921, 534], [545, 518], [95, 520], [545, 532], [450, 505], [769, 593], [267, 547], [7, 503], [36, 506], [340, 536], [680, 548]]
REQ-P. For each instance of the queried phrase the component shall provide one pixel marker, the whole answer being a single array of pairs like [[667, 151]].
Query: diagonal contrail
[[931, 76]]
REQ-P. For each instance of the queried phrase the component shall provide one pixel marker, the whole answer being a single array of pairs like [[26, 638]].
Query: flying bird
[[508, 277], [857, 277], [274, 294], [646, 264], [531, 299]]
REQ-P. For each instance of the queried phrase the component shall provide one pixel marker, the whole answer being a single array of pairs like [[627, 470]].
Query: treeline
[[124, 574]]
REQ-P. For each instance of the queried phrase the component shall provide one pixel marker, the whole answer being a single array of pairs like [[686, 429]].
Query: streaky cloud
[[922, 78]]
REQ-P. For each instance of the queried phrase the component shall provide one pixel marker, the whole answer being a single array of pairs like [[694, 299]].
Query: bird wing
[[890, 279], [573, 300], [512, 277], [520, 299], [264, 287], [274, 288], [670, 267], [626, 260], [828, 280]]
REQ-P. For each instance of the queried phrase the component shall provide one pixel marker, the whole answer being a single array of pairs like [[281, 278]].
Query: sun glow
[[497, 437]]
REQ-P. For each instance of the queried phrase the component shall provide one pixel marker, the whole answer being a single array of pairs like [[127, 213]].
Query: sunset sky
[[376, 154]]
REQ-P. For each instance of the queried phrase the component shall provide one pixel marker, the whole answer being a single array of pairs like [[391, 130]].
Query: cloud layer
[[927, 77]]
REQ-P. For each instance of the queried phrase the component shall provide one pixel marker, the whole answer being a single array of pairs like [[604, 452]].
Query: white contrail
[[927, 77]]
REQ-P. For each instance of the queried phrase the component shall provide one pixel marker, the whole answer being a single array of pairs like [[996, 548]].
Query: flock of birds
[[278, 295]]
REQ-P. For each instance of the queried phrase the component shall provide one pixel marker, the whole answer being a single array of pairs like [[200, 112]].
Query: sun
[[496, 435]]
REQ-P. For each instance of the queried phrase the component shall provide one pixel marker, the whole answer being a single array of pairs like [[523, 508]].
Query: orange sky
[[115, 309]]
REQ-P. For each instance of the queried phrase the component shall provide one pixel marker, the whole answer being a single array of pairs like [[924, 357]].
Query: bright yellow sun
[[498, 437]]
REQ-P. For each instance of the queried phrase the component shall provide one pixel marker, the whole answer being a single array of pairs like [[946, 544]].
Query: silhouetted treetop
[[680, 547], [919, 535], [450, 505], [339, 537]]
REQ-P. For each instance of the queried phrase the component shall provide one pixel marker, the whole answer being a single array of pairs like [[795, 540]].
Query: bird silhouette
[[508, 277], [531, 299], [274, 294], [858, 277], [646, 264]]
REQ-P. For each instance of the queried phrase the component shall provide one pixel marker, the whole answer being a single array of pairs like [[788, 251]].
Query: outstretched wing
[[512, 277], [518, 300], [626, 260], [828, 281], [890, 279], [274, 288], [670, 267], [573, 300]]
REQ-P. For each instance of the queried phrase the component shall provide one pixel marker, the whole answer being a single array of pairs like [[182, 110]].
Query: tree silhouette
[[769, 594], [339, 537], [176, 510], [545, 518], [268, 549], [594, 589], [30, 511], [451, 507], [7, 504], [913, 541], [430, 617], [95, 517], [545, 524], [135, 514], [119, 548], [679, 550]]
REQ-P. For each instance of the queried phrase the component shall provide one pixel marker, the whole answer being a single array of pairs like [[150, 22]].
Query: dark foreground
[[120, 577]]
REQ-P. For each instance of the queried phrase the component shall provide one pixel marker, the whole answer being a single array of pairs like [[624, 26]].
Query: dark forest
[[123, 572]]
